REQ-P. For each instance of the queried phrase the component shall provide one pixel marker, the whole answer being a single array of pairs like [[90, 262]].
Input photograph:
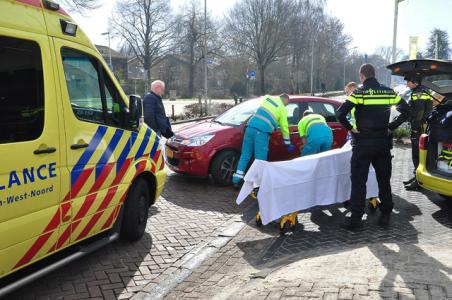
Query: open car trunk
[[437, 76]]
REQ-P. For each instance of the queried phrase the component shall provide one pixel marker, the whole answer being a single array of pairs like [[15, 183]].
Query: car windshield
[[237, 115]]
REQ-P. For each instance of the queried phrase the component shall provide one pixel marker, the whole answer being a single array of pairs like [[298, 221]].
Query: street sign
[[251, 74]]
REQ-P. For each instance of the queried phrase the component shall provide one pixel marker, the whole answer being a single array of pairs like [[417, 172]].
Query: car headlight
[[198, 140]]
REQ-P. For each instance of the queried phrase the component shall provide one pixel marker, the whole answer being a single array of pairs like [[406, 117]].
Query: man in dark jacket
[[421, 105], [372, 142], [154, 111]]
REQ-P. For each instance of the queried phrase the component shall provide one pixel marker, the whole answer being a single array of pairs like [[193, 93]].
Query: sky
[[368, 22]]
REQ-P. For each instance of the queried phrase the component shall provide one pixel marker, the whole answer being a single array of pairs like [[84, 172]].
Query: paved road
[[411, 260], [187, 214]]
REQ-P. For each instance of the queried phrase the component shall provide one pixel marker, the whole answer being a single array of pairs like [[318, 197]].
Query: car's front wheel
[[136, 208], [224, 166]]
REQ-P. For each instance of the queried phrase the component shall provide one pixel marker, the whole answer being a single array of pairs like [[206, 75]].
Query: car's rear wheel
[[136, 208], [224, 166]]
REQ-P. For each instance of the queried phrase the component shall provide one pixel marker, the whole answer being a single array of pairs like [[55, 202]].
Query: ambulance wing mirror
[[136, 118]]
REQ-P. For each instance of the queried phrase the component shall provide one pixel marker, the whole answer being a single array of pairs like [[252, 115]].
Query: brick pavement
[[187, 214], [410, 260]]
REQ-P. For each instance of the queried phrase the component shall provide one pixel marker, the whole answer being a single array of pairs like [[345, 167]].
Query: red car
[[213, 147]]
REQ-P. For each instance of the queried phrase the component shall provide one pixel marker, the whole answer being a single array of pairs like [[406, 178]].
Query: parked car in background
[[213, 147], [435, 146]]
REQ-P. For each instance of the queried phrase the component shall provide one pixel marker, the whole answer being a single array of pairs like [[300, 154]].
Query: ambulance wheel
[[223, 167], [136, 208]]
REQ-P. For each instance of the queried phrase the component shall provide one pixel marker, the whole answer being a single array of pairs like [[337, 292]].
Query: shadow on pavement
[[107, 271], [321, 236]]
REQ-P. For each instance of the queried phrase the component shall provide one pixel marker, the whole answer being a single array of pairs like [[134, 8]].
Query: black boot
[[384, 219], [409, 181], [414, 186], [353, 223]]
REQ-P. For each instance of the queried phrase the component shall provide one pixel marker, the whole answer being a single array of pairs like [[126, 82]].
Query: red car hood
[[199, 129]]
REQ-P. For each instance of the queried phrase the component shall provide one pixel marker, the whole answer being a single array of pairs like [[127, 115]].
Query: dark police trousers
[[415, 135], [379, 155]]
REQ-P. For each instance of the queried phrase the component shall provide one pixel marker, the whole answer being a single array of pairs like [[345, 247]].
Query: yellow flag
[[414, 46]]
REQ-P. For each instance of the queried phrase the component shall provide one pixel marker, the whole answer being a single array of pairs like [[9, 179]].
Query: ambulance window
[[21, 91], [114, 104], [83, 85]]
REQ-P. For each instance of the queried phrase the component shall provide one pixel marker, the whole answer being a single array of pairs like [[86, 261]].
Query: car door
[[328, 110], [30, 150], [95, 140], [277, 148]]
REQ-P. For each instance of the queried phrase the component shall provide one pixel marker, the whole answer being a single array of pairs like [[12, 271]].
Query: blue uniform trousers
[[320, 138], [255, 143]]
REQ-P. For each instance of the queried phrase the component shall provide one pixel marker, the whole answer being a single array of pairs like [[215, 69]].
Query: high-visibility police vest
[[308, 121], [270, 115], [372, 110], [421, 96]]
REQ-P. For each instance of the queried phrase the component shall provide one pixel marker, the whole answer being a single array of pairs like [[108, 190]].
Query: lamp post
[[312, 66], [205, 49], [394, 35], [345, 60], [109, 48]]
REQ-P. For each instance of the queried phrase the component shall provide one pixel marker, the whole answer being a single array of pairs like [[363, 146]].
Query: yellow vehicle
[[435, 146], [75, 158]]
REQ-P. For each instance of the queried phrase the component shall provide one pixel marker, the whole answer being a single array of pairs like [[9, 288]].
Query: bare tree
[[81, 6], [386, 53], [145, 26], [260, 28], [307, 19], [189, 38]]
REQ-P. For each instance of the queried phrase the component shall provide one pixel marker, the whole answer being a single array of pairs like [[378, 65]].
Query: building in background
[[118, 61]]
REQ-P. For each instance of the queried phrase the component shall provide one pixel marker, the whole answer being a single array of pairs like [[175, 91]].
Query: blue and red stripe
[[108, 151], [126, 151], [144, 144], [86, 156]]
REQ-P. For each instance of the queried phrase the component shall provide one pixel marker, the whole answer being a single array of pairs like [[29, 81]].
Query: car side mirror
[[135, 111]]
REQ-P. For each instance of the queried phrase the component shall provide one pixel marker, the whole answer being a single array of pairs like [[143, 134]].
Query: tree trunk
[[262, 79], [191, 74]]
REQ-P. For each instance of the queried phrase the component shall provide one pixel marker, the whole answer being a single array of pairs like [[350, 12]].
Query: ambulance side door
[[95, 139], [30, 150]]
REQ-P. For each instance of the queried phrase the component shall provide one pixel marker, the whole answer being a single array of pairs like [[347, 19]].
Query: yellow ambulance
[[75, 158]]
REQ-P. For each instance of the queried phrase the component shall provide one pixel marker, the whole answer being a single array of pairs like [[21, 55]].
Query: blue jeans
[[255, 143], [320, 138]]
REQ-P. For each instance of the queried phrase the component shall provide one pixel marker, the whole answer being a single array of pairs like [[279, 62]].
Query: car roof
[[301, 98], [304, 98]]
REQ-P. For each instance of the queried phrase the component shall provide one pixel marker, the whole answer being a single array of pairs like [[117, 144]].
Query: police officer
[[421, 105], [315, 134], [271, 114], [372, 142]]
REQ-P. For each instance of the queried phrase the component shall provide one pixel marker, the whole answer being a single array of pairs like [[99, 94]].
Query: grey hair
[[156, 83]]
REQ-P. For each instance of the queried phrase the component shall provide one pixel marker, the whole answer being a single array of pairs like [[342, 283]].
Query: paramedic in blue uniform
[[271, 114], [315, 134]]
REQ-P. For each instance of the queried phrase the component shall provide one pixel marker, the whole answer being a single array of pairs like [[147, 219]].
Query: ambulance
[[76, 160]]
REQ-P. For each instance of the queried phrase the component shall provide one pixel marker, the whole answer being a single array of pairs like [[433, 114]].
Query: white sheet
[[301, 183]]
